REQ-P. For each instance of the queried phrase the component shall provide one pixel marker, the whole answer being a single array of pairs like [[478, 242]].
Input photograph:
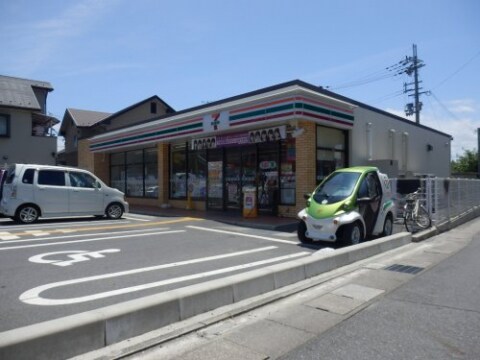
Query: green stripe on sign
[[324, 111], [261, 112], [148, 135]]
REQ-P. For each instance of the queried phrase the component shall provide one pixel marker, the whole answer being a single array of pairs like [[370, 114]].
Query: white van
[[28, 192]]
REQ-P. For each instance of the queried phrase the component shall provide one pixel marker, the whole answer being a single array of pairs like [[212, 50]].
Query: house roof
[[86, 118], [18, 93], [131, 107]]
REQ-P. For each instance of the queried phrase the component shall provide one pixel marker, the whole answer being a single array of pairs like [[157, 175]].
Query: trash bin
[[249, 202]]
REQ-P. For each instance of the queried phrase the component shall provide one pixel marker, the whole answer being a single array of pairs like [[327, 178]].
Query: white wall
[[409, 150]]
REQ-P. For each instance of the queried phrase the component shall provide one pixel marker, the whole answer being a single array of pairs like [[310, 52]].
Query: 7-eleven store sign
[[216, 121]]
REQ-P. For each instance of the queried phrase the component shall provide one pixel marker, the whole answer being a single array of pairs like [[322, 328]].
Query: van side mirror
[[306, 196], [97, 185]]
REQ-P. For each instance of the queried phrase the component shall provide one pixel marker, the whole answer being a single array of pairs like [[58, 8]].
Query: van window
[[51, 177], [28, 176], [78, 179]]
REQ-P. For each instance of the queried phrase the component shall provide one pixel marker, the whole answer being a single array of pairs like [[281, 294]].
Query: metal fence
[[444, 198]]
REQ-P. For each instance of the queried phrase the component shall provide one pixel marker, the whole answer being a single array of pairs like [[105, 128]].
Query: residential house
[[82, 124], [26, 131]]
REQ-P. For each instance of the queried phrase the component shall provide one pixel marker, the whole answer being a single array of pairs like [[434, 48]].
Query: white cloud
[[462, 106]]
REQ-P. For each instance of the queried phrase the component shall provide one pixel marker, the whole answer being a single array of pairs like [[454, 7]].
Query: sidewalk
[[419, 301], [266, 222]]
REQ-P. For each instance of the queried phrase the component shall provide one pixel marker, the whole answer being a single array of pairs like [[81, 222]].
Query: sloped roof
[[18, 93], [86, 118], [131, 107]]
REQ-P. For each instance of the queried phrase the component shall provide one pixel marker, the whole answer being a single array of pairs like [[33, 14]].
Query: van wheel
[[352, 234], [114, 211], [302, 233], [27, 214]]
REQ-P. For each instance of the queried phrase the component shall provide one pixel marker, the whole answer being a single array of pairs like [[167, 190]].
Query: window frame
[[6, 117]]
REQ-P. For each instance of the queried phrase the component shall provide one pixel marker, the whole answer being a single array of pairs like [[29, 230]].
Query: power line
[[443, 106], [385, 73], [457, 71]]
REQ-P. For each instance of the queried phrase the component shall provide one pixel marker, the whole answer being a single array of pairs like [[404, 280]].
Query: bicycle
[[414, 214]]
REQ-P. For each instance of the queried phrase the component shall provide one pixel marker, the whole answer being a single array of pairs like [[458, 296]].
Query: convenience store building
[[280, 141]]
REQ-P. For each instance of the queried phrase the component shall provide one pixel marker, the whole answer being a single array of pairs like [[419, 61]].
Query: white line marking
[[87, 240], [135, 219], [75, 256], [70, 224], [83, 235], [32, 296], [8, 236], [37, 232], [243, 234]]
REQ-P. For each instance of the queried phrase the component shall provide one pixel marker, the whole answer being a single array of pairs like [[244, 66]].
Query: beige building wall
[[21, 146], [141, 112], [85, 156]]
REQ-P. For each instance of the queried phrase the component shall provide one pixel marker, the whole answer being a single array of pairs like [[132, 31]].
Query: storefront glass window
[[287, 172], [151, 173], [178, 174], [331, 151], [197, 174], [135, 172]]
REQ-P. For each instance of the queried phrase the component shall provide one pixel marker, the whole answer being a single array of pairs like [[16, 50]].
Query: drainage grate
[[404, 269]]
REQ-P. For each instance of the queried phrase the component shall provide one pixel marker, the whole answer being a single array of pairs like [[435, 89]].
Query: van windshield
[[336, 188]]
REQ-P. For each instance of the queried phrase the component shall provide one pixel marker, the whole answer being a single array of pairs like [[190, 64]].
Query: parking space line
[[83, 235], [37, 233], [136, 219], [116, 226], [32, 296], [243, 234], [5, 235], [87, 240]]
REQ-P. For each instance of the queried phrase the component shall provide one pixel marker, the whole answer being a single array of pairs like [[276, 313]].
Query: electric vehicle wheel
[[302, 233], [388, 226], [352, 234]]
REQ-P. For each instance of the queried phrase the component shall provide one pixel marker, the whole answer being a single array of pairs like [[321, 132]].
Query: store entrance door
[[240, 171], [215, 180], [233, 186]]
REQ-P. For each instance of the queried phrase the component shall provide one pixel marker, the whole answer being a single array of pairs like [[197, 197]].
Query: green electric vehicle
[[350, 205]]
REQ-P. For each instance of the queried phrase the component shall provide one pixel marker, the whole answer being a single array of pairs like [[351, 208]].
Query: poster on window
[[269, 134]]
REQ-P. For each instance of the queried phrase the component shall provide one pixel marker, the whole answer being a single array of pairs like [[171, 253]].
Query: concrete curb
[[447, 225], [77, 334]]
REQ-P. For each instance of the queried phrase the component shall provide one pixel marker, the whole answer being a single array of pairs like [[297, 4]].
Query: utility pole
[[410, 66]]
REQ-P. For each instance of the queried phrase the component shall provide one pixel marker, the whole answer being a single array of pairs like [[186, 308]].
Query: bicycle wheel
[[409, 223], [423, 219]]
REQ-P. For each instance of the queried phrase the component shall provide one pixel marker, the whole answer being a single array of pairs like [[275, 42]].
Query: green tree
[[468, 162]]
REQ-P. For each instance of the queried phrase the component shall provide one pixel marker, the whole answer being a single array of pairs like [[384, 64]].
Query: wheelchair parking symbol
[[72, 257]]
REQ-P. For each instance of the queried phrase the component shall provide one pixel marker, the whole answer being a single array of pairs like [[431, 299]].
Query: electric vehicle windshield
[[336, 188]]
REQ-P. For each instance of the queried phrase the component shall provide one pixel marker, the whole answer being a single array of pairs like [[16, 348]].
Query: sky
[[107, 55]]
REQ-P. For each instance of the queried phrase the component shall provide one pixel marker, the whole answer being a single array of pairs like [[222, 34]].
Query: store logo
[[216, 121]]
